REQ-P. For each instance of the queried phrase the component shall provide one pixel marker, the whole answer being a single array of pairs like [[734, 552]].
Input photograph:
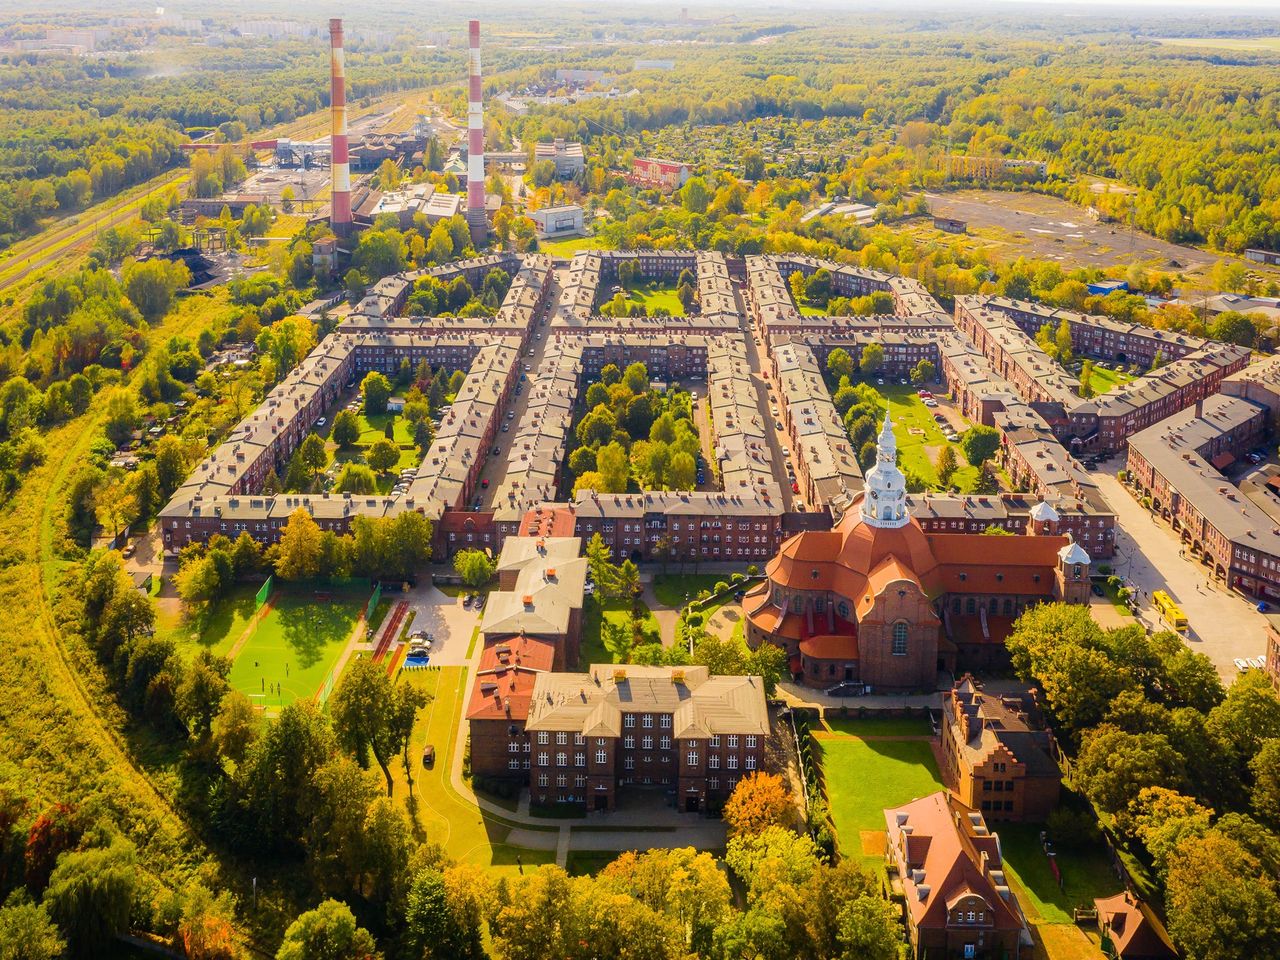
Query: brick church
[[876, 601]]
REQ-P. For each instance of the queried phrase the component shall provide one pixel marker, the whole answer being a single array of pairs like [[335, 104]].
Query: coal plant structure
[[476, 218], [340, 203]]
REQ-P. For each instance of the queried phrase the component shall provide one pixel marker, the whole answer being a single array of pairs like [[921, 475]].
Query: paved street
[[1224, 625]]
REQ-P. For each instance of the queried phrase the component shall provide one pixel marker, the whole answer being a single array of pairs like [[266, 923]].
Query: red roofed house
[[1131, 930], [878, 601], [956, 899]]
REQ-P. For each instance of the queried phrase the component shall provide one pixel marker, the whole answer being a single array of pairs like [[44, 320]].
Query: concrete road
[[1224, 625]]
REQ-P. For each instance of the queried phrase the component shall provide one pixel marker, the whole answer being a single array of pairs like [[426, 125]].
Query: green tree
[[1265, 767], [636, 378], [1114, 766], [151, 285], [372, 715], [980, 443], [681, 472], [1222, 905], [346, 429], [382, 455], [1233, 327], [613, 467], [27, 933], [839, 364], [923, 372], [474, 567], [298, 555], [872, 359], [376, 391], [868, 929], [695, 195], [356, 478], [91, 897], [329, 932], [947, 465]]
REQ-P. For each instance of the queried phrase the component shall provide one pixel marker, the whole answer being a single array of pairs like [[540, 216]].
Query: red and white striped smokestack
[[340, 166], [475, 141]]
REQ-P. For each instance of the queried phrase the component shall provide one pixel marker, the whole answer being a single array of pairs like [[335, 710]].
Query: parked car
[[1097, 591], [323, 421], [506, 427], [466, 602], [795, 487], [429, 755], [484, 482]]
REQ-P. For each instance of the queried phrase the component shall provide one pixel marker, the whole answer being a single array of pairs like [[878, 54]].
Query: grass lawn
[[595, 612], [371, 429], [1113, 595], [809, 311], [865, 777], [670, 588], [660, 297], [570, 246], [1104, 380], [439, 813], [217, 630], [295, 645], [916, 430], [1086, 874], [878, 726]]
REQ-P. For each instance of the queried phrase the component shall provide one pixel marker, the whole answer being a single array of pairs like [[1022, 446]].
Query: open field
[[439, 814], [1035, 225], [863, 778], [920, 438], [294, 646], [1262, 44], [1104, 381]]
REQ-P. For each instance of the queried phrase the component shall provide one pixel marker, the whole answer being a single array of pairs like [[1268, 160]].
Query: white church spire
[[884, 502]]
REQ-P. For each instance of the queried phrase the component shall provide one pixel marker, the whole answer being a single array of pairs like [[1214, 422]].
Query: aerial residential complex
[[775, 472]]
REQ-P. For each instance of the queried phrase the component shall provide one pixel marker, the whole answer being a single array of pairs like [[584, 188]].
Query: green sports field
[[292, 648]]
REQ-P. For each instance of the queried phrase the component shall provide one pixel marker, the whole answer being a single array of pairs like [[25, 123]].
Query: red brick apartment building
[[578, 738], [993, 759]]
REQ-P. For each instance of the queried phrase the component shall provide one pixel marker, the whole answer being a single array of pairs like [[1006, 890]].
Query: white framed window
[[579, 740], [602, 756], [628, 763], [751, 741], [562, 738], [732, 762], [562, 759], [629, 742], [692, 758], [629, 720], [646, 743], [542, 779], [647, 722], [715, 740], [664, 743], [713, 762], [899, 639], [513, 764], [579, 759], [666, 721], [750, 762], [543, 738], [561, 780], [733, 741], [542, 759]]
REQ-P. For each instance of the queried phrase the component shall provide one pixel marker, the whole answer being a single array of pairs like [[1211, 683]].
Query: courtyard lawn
[[295, 645], [921, 439], [1086, 874], [670, 588], [660, 297], [863, 778], [570, 246], [806, 310], [440, 814], [1103, 381], [878, 726], [595, 612]]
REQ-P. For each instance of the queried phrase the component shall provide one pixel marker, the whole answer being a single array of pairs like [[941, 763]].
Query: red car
[[795, 487], [484, 482]]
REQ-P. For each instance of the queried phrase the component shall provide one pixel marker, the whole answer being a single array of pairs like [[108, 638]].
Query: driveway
[[1224, 625], [442, 616]]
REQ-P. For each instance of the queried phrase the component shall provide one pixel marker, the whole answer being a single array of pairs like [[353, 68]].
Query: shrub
[[753, 570], [721, 587]]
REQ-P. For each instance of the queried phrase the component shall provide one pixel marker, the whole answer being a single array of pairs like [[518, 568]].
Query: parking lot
[[450, 624]]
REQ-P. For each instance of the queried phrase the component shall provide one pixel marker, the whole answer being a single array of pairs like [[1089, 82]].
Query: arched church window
[[899, 639]]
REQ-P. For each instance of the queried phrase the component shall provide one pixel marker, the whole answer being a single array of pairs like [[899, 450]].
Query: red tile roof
[[504, 682]]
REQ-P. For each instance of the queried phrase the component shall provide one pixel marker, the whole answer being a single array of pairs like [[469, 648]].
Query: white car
[[930, 403]]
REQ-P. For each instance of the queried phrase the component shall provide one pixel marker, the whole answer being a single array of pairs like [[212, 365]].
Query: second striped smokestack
[[476, 219], [340, 166]]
